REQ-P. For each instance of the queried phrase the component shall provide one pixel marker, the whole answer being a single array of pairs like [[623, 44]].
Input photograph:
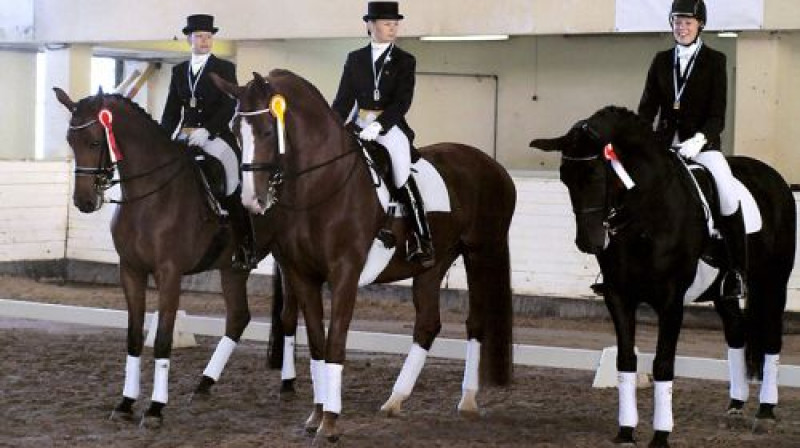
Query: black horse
[[638, 210]]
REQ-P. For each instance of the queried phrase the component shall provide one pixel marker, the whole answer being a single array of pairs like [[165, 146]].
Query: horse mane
[[139, 110], [625, 127], [284, 78]]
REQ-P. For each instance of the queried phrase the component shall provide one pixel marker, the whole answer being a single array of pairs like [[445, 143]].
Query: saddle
[[714, 253]]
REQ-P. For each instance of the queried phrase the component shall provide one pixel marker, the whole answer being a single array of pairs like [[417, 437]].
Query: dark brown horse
[[327, 214], [164, 226]]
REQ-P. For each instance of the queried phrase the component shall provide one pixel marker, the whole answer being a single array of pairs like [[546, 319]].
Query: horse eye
[[95, 144], [266, 133]]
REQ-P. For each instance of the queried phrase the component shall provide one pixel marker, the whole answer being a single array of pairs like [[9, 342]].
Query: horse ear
[[64, 99], [226, 86], [257, 76], [548, 144], [100, 91]]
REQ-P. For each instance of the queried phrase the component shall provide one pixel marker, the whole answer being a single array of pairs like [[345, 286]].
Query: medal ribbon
[[105, 119], [677, 79], [376, 77], [193, 86]]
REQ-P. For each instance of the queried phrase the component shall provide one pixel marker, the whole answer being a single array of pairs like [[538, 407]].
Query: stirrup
[[733, 286], [599, 288], [420, 250], [244, 259]]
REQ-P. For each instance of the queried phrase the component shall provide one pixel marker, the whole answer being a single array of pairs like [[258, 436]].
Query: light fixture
[[468, 37], [727, 34]]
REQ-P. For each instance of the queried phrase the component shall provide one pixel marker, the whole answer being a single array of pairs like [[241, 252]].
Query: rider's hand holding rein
[[370, 132]]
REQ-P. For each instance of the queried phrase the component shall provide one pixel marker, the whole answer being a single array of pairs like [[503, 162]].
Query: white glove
[[370, 132], [691, 148], [199, 137]]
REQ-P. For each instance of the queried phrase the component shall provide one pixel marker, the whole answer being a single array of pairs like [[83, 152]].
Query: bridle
[[277, 174], [104, 172], [614, 218]]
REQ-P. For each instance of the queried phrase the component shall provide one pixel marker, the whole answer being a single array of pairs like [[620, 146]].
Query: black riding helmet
[[689, 8]]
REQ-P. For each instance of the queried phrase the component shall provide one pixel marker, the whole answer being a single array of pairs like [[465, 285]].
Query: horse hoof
[[734, 419], [151, 422], [625, 437], [121, 416], [327, 432], [468, 406], [123, 411], [764, 425], [314, 420], [287, 391], [659, 440], [393, 406]]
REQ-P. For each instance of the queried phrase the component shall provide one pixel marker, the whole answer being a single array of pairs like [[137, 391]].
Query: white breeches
[[221, 151], [723, 178], [399, 149]]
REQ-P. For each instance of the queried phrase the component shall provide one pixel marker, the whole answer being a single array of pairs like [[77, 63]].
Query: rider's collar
[[686, 51], [378, 49]]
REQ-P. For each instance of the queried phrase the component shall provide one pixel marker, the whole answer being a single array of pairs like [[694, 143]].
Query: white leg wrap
[[471, 366], [132, 377], [662, 404], [160, 380], [318, 380], [628, 414], [220, 357], [287, 369], [723, 178], [333, 382], [410, 371], [737, 371], [769, 385]]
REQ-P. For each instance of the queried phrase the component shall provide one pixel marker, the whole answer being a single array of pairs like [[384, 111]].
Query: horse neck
[[144, 148], [329, 152], [663, 185]]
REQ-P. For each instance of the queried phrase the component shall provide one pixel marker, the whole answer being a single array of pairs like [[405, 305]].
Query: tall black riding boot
[[735, 239], [244, 257], [420, 246]]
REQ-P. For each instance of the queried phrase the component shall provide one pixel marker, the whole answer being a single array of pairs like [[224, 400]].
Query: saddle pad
[[750, 212], [435, 197]]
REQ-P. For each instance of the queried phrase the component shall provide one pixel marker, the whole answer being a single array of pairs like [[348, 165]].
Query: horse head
[[592, 169], [283, 124], [94, 166]]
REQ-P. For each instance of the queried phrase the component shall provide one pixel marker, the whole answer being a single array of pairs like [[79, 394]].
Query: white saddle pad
[[435, 198]]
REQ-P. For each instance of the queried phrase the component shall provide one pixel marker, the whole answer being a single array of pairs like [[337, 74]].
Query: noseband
[[102, 174]]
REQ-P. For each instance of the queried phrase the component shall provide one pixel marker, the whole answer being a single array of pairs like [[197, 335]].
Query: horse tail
[[489, 278], [276, 337]]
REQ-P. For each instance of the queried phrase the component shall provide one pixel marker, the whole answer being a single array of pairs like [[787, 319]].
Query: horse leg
[[343, 298], [624, 318], [308, 295], [169, 284], [284, 329], [237, 316], [733, 328], [669, 327], [489, 323], [427, 324], [767, 303], [134, 285]]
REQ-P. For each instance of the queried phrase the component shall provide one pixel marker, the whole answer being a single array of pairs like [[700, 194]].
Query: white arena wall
[[38, 222]]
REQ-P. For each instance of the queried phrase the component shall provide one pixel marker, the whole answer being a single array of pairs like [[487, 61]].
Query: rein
[[279, 176]]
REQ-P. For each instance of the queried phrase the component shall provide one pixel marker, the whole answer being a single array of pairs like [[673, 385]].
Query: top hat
[[200, 22], [382, 10]]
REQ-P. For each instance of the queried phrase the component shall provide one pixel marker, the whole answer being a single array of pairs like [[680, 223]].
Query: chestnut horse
[[164, 226], [326, 214], [637, 208]]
